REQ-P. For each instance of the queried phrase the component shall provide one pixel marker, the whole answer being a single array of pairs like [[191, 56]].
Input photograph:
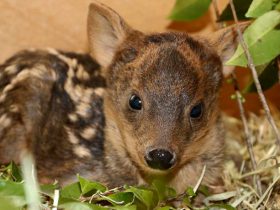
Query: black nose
[[160, 159]]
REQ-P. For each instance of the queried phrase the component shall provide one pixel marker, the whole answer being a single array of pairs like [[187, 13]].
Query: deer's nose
[[160, 159]]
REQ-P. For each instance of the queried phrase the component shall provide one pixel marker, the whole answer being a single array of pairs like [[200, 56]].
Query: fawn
[[146, 108]]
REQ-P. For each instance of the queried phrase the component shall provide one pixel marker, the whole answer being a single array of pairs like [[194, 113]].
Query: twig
[[266, 169], [241, 199], [99, 194], [250, 206], [267, 192], [268, 197], [255, 76], [200, 179], [217, 13], [248, 135]]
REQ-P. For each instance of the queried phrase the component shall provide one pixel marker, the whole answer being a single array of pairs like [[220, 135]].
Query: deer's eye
[[196, 111], [135, 102]]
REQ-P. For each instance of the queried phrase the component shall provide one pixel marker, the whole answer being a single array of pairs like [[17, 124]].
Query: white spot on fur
[[5, 122], [71, 62], [83, 109], [38, 71], [77, 93], [99, 91], [82, 151], [52, 51], [22, 75], [73, 117], [82, 74], [58, 100], [88, 133], [69, 86], [71, 136], [14, 108], [2, 97], [81, 96], [98, 73], [11, 69]]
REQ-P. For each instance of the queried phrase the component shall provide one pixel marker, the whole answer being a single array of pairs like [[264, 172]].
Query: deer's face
[[162, 96]]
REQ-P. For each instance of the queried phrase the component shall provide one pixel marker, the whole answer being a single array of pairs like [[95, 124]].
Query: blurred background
[[61, 24]]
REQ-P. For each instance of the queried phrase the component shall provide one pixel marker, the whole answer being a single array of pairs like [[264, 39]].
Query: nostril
[[160, 159]]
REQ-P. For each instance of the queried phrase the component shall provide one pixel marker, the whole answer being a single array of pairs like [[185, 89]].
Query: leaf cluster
[[89, 195], [262, 36]]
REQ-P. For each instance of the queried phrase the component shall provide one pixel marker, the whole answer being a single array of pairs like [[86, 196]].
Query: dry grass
[[238, 173]]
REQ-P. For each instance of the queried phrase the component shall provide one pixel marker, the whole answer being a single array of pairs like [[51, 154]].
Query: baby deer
[[150, 110]]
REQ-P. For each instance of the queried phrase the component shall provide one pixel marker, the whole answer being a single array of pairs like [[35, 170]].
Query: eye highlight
[[196, 111], [135, 102]]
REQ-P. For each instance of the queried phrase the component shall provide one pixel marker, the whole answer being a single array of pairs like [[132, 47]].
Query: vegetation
[[262, 36], [86, 195]]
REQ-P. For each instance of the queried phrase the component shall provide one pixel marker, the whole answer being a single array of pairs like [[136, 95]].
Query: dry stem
[[255, 76], [248, 134]]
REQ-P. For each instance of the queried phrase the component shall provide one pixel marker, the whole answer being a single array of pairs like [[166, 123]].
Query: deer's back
[[51, 103]]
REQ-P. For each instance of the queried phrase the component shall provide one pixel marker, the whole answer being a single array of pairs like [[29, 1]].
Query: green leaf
[[132, 207], [165, 208], [90, 187], [13, 191], [9, 188], [241, 7], [120, 198], [72, 191], [80, 206], [170, 192], [8, 204], [277, 7], [268, 76], [163, 191], [189, 9], [187, 200], [262, 38], [160, 188], [145, 196], [204, 190], [75, 206], [259, 7], [14, 172], [48, 189], [190, 191]]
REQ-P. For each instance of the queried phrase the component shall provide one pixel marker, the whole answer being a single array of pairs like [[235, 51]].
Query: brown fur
[[74, 116]]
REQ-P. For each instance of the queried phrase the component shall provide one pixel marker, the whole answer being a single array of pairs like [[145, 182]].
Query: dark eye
[[135, 102], [196, 111]]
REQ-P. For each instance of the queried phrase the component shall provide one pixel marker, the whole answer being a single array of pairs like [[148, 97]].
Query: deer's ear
[[106, 30], [225, 41]]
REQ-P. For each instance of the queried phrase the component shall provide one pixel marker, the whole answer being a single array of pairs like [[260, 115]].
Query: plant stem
[[216, 10], [255, 77], [248, 134]]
